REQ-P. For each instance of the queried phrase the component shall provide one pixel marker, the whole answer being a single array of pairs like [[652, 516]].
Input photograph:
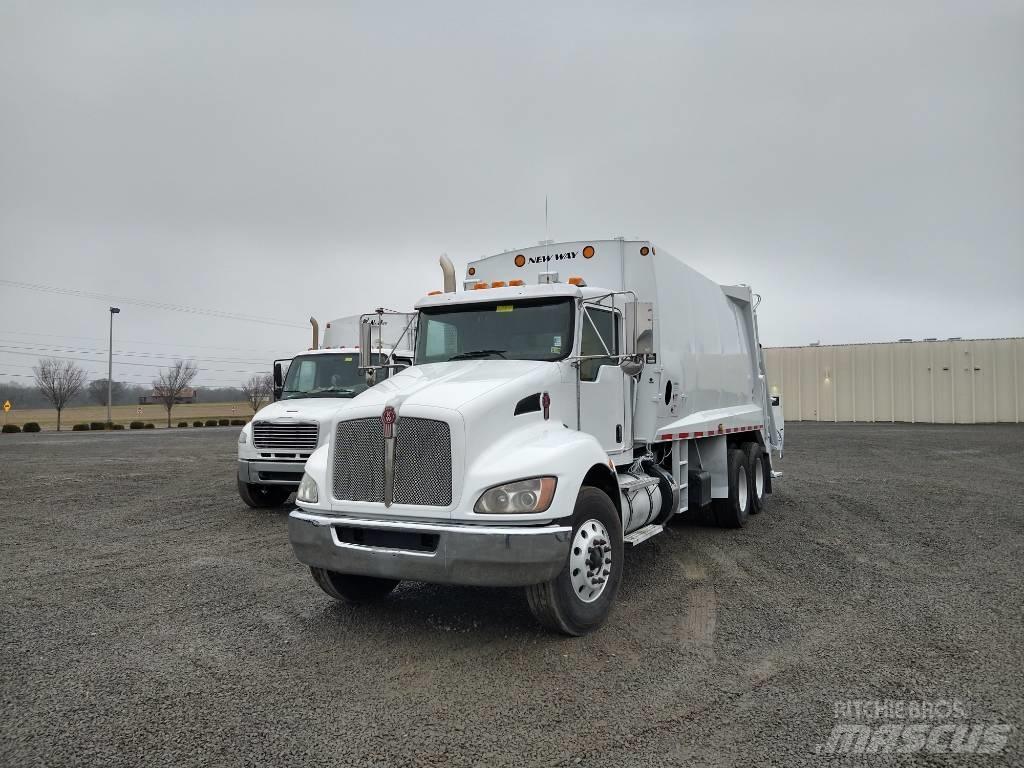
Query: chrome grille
[[285, 437], [359, 460], [423, 461]]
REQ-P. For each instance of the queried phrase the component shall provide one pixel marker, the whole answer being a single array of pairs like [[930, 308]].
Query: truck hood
[[448, 385], [318, 409]]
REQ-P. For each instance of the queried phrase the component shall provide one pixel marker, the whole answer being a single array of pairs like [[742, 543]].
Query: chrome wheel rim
[[590, 561], [741, 490], [759, 478]]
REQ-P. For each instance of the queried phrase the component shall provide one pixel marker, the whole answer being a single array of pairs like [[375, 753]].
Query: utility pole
[[110, 362]]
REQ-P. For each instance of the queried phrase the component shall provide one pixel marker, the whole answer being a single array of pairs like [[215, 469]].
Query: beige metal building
[[962, 381]]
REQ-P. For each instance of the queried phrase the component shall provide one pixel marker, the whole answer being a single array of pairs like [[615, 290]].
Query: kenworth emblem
[[388, 419]]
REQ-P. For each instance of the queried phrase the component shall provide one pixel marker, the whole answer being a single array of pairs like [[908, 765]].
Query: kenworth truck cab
[[274, 446], [569, 401]]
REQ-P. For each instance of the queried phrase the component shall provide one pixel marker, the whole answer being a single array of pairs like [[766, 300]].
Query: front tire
[[263, 496], [734, 511], [351, 588], [579, 598]]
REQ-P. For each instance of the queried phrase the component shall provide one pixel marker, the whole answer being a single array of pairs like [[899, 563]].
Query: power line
[[227, 384], [130, 353], [149, 343], [120, 362], [146, 303]]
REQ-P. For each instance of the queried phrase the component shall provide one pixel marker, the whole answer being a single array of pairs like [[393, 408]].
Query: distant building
[[187, 395], [935, 381]]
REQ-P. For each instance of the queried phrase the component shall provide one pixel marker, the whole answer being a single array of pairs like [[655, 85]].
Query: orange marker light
[[588, 252], [480, 286], [520, 260], [498, 284], [644, 250], [472, 271], [515, 282], [576, 281], [433, 293]]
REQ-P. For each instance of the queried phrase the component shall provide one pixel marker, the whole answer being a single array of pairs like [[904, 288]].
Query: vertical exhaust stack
[[316, 333], [448, 270]]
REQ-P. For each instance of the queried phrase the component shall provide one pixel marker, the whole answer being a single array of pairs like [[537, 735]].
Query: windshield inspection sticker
[[348, 359], [503, 308]]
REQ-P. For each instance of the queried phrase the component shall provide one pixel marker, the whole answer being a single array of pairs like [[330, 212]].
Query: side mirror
[[631, 366], [639, 330], [278, 381]]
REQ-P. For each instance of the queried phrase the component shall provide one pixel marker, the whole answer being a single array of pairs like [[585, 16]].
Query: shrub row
[[33, 426]]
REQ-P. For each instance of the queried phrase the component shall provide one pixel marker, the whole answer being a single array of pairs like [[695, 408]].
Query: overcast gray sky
[[860, 164]]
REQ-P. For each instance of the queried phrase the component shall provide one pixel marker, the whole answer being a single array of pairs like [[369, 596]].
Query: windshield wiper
[[478, 353]]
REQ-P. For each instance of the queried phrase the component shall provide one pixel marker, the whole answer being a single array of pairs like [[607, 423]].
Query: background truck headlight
[[241, 437], [308, 492], [522, 496]]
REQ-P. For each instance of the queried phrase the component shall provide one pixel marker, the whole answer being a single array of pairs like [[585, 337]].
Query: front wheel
[[352, 588], [580, 597], [263, 496]]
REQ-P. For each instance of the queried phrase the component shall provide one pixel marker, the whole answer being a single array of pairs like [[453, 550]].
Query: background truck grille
[[288, 438], [423, 461]]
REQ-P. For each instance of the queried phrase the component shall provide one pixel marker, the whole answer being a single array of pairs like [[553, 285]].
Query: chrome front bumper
[[481, 555], [271, 472]]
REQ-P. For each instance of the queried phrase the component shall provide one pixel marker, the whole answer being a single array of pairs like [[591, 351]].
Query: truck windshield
[[503, 330], [334, 375]]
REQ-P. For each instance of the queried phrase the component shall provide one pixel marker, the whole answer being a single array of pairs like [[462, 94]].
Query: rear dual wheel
[[757, 469], [733, 511]]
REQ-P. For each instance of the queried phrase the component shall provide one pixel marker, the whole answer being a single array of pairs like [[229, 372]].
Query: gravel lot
[[150, 618]]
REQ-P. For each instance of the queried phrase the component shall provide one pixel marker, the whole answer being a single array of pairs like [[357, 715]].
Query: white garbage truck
[[569, 401], [274, 446]]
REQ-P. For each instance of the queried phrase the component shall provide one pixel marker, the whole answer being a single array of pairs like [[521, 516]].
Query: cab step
[[642, 534]]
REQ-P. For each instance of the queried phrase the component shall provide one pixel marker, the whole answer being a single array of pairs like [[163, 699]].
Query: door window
[[600, 336]]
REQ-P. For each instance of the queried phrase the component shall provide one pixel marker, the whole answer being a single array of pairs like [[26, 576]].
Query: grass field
[[124, 414]]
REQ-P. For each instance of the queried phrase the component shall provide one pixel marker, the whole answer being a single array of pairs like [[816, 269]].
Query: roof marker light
[[515, 282], [577, 281], [480, 286], [433, 293], [498, 284]]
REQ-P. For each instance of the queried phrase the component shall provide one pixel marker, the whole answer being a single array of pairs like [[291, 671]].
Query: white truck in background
[[570, 401], [274, 446]]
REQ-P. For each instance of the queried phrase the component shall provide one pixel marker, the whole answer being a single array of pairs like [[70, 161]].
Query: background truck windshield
[[327, 376], [511, 330]]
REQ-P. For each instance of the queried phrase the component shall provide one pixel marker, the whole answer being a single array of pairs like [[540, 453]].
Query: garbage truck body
[[274, 446], [570, 401]]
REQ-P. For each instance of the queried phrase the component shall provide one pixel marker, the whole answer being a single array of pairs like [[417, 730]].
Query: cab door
[[602, 382]]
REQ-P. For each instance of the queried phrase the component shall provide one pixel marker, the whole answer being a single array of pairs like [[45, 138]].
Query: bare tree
[[172, 382], [59, 381], [258, 390], [98, 391]]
